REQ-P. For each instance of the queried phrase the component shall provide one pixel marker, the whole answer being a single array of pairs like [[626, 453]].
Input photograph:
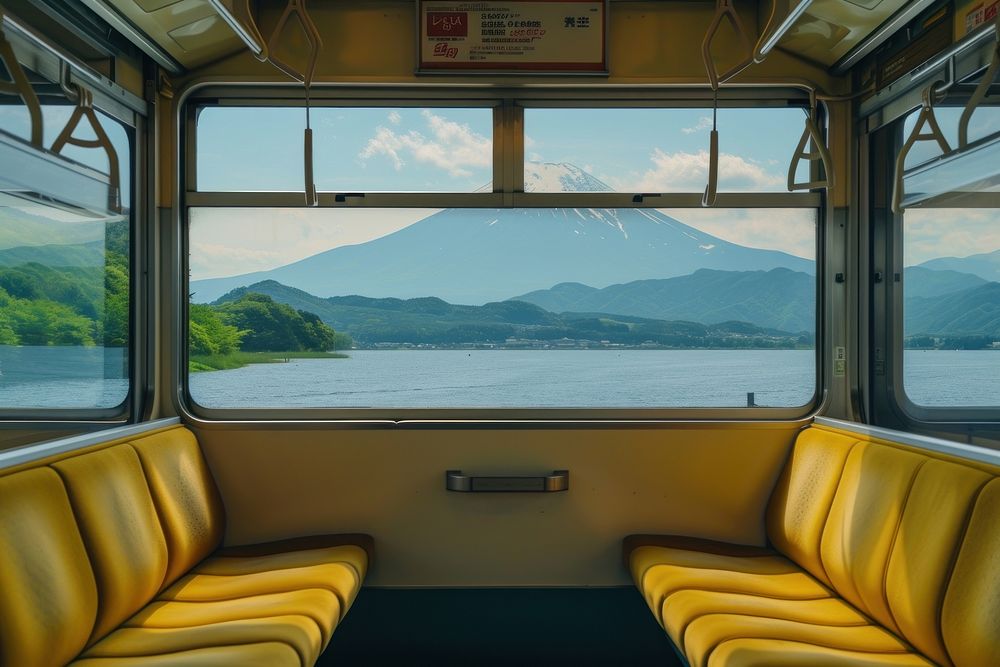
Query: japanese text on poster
[[533, 35]]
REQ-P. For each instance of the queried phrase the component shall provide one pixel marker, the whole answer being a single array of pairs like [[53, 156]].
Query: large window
[[64, 270], [489, 296]]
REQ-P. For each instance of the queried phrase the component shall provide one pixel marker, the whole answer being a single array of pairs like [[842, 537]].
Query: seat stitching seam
[[829, 511], [816, 645], [758, 595], [892, 545], [708, 654], [200, 648], [683, 637], [950, 574]]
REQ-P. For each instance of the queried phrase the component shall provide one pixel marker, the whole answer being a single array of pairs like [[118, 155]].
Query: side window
[[65, 285], [951, 277]]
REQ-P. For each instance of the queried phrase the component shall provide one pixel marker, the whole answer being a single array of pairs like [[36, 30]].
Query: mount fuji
[[474, 256]]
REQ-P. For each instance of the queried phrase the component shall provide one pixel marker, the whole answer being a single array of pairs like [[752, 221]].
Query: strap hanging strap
[[85, 110], [297, 9], [19, 85], [711, 193], [926, 117], [725, 11], [981, 91], [811, 134]]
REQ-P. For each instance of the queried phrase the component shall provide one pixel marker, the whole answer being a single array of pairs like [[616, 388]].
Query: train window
[[480, 308], [434, 282], [65, 285], [355, 149], [657, 150], [951, 286]]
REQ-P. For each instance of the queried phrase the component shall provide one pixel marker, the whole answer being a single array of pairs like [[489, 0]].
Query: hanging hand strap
[[296, 9], [811, 134], [926, 117], [981, 91], [19, 85], [712, 189], [85, 110], [724, 10]]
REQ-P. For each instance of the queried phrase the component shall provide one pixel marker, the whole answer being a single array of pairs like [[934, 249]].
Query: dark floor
[[554, 626]]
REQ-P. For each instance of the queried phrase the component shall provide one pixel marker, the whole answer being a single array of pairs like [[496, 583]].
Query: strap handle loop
[[19, 85], [926, 117], [725, 11], [85, 110]]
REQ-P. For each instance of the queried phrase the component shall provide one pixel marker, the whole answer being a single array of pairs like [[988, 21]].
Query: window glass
[[64, 284], [951, 306], [659, 150], [354, 149], [454, 308], [984, 122]]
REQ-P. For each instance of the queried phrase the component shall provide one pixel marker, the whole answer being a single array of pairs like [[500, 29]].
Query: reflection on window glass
[[564, 307], [951, 306], [984, 122], [354, 149], [64, 285], [658, 150]]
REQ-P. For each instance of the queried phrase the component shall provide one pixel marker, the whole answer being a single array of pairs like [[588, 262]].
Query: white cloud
[[688, 172], [451, 146], [395, 118], [704, 123], [949, 232]]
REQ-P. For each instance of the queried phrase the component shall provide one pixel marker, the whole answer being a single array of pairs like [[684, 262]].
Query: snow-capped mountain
[[473, 256], [560, 177]]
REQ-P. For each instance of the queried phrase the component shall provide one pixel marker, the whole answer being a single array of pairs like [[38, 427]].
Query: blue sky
[[451, 149]]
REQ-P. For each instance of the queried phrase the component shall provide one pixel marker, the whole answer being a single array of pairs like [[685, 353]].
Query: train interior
[[563, 332]]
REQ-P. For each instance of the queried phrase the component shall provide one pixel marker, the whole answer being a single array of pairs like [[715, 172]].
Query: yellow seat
[[860, 570], [112, 557]]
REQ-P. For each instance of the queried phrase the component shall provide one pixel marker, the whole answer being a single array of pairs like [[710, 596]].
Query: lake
[[72, 377]]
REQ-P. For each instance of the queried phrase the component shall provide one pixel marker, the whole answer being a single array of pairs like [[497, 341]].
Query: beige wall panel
[[708, 481]]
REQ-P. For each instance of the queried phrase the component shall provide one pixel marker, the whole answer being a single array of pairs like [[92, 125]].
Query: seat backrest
[[886, 528], [49, 598], [89, 540]]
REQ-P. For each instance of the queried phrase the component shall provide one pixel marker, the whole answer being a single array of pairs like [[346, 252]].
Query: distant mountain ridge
[[779, 298], [985, 265], [431, 321], [78, 255], [475, 256]]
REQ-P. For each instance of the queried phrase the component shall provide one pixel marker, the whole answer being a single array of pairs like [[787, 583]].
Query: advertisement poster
[[532, 35]]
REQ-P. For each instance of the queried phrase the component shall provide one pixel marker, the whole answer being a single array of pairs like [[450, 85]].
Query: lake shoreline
[[205, 363]]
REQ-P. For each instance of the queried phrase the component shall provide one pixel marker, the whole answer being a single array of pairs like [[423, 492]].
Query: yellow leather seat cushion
[[301, 633], [705, 633], [708, 595], [260, 654], [781, 653], [660, 571], [684, 606]]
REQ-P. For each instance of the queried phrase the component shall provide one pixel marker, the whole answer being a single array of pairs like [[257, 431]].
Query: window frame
[[508, 153]]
